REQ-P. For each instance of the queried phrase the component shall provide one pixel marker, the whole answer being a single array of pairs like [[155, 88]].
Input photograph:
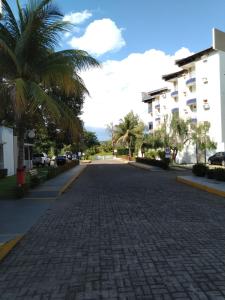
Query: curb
[[8, 246], [68, 183], [201, 187], [136, 165]]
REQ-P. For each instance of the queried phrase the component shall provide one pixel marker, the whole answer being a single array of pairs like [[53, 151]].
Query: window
[[193, 107], [149, 107], [150, 125], [1, 157]]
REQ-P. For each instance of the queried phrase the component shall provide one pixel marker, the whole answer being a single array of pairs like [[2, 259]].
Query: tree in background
[[110, 128], [202, 140], [31, 70], [129, 132]]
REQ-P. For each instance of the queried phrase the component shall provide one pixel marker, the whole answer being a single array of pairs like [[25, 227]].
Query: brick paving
[[121, 233]]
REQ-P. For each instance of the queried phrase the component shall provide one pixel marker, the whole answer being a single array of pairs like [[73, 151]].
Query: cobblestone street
[[122, 233]]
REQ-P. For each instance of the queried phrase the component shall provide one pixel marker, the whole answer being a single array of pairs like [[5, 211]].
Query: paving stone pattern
[[122, 233]]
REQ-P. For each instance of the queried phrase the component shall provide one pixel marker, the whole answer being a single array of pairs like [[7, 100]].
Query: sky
[[136, 42]]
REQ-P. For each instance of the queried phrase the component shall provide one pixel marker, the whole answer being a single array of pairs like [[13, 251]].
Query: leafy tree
[[174, 133], [129, 132], [30, 68], [89, 140], [201, 138]]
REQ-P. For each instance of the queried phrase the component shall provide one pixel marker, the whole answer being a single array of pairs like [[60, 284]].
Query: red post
[[20, 176]]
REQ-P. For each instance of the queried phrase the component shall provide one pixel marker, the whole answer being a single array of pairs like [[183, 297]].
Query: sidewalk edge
[[201, 186], [8, 246], [72, 179]]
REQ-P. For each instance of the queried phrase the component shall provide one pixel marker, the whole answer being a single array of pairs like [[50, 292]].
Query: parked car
[[41, 159], [61, 160], [217, 159]]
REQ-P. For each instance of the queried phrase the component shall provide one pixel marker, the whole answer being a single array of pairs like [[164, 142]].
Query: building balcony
[[194, 120], [174, 94], [157, 119], [191, 81], [157, 106], [191, 102]]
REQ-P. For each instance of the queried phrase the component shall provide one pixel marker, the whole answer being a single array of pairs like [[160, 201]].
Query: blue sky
[[122, 35]]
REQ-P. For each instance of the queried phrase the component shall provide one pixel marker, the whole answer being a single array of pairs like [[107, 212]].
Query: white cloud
[[101, 36], [116, 88], [78, 17]]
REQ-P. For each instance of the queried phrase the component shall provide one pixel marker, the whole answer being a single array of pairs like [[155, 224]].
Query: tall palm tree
[[129, 131], [31, 69]]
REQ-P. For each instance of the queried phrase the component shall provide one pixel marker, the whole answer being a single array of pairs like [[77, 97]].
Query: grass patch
[[8, 185]]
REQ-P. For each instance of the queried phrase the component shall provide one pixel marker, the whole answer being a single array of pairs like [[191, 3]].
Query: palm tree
[[31, 69], [129, 131]]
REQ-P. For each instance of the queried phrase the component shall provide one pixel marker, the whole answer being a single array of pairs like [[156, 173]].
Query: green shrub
[[164, 164], [122, 151], [53, 172], [161, 154], [200, 170], [3, 173], [151, 154], [211, 174], [21, 191], [219, 174], [34, 181]]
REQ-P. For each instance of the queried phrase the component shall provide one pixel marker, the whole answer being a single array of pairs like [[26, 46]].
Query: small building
[[7, 158], [9, 151]]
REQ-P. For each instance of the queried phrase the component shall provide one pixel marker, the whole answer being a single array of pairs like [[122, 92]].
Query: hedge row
[[164, 164], [202, 170], [20, 191]]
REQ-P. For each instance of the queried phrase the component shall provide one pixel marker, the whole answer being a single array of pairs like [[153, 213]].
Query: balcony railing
[[191, 81], [174, 94], [157, 106], [191, 101]]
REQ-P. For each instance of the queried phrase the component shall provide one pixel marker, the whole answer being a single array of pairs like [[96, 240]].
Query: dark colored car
[[61, 160], [217, 159]]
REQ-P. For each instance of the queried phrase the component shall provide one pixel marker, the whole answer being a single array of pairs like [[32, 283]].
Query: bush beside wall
[[200, 170], [164, 164]]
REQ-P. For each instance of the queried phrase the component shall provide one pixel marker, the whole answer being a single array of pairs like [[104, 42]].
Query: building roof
[[173, 75], [150, 96], [194, 57]]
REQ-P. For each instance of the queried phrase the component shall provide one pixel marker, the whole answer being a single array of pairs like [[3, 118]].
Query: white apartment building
[[197, 92]]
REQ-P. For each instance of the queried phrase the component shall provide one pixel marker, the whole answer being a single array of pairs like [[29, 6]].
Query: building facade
[[9, 151], [196, 92]]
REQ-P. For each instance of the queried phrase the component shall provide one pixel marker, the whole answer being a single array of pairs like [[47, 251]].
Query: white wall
[[7, 140]]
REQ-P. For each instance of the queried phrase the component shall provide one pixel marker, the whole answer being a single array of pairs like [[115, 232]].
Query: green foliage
[[36, 82], [200, 170], [218, 174], [21, 191], [34, 181], [3, 173], [129, 132], [122, 151], [105, 147], [164, 164], [200, 137], [90, 140], [53, 172], [151, 153]]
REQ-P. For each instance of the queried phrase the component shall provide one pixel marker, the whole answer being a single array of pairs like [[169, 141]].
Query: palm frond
[[40, 98], [9, 19]]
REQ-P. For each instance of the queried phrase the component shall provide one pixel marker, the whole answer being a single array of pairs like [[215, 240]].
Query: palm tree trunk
[[20, 141]]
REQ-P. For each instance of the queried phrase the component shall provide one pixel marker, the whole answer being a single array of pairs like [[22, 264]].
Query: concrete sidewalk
[[19, 215], [209, 185]]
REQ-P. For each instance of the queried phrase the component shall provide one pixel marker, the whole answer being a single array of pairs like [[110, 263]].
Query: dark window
[[150, 125]]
